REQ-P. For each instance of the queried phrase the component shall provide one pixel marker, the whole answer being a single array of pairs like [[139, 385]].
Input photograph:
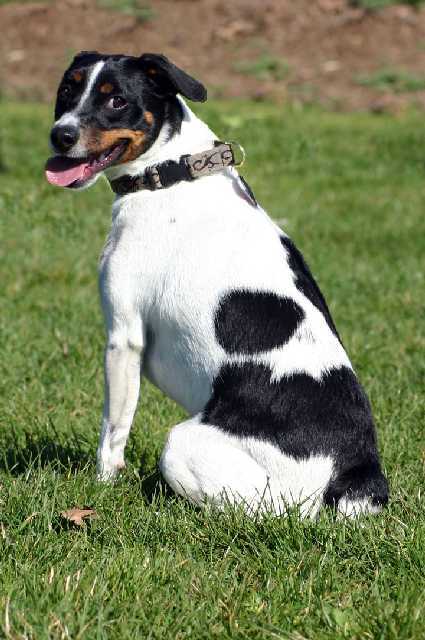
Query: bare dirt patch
[[305, 51]]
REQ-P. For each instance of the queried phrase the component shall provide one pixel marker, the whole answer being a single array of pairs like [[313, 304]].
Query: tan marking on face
[[148, 117], [77, 76], [97, 142], [107, 87]]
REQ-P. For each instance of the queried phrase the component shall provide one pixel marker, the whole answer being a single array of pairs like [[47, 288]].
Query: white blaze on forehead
[[71, 117], [90, 83]]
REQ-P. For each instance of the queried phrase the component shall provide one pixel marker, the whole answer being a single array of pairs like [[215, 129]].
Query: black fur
[[304, 417], [253, 321], [130, 79], [249, 191], [305, 281], [169, 79], [366, 478]]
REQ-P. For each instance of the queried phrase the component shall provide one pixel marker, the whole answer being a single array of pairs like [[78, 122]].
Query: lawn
[[350, 190]]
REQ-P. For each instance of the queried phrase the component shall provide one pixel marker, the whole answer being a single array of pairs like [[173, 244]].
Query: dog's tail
[[361, 488]]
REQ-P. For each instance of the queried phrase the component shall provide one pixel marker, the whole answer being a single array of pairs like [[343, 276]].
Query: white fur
[[93, 75], [354, 508], [72, 118], [168, 259], [204, 464]]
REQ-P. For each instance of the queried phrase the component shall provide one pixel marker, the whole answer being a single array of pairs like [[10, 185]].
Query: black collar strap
[[165, 174]]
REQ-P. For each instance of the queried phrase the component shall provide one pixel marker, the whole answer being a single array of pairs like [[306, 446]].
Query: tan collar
[[188, 167]]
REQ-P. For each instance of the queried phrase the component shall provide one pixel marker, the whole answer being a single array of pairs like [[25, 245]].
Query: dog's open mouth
[[75, 172]]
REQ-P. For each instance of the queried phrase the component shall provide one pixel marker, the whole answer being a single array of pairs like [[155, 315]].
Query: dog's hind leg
[[203, 464]]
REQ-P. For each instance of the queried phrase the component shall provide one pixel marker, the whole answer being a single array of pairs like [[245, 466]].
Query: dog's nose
[[64, 137]]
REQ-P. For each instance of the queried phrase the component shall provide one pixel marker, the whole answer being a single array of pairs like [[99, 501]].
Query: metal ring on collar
[[233, 143]]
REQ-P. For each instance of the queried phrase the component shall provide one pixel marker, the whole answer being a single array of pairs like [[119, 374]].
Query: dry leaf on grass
[[77, 515]]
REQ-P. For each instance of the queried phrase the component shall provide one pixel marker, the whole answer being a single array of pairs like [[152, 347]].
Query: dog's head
[[110, 110]]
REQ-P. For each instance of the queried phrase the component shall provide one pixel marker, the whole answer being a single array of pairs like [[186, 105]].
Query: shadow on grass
[[29, 452], [38, 451], [153, 485], [34, 451]]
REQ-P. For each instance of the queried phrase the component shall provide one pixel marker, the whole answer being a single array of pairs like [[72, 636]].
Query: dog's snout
[[64, 137]]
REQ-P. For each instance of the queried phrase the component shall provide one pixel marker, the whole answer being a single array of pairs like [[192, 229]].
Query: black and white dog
[[205, 295]]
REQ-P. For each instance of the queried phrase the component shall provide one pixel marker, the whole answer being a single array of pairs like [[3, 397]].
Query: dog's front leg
[[123, 357]]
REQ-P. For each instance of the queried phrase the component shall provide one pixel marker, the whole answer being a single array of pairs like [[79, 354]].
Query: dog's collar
[[188, 167]]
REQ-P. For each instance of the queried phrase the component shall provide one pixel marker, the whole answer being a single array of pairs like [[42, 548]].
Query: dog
[[209, 299]]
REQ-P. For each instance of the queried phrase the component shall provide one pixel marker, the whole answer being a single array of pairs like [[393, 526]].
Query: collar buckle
[[241, 161]]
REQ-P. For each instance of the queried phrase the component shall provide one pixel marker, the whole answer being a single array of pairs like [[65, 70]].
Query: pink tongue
[[63, 171]]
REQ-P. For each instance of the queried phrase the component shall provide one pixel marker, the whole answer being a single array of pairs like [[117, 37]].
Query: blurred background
[[342, 54]]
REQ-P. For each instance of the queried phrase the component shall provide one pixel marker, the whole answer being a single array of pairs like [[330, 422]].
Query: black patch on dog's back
[[254, 321], [303, 417], [306, 283]]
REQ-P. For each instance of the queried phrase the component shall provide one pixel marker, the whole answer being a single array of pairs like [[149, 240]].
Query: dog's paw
[[107, 470]]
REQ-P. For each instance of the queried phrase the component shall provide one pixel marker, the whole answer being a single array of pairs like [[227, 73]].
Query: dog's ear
[[169, 79], [83, 54], [86, 58]]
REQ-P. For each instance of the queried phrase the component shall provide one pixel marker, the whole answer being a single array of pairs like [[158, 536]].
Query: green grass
[[265, 67], [352, 191], [382, 4], [140, 10], [22, 1], [395, 80]]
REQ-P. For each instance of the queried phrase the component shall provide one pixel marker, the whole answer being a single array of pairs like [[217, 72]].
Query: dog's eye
[[65, 91], [116, 102]]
